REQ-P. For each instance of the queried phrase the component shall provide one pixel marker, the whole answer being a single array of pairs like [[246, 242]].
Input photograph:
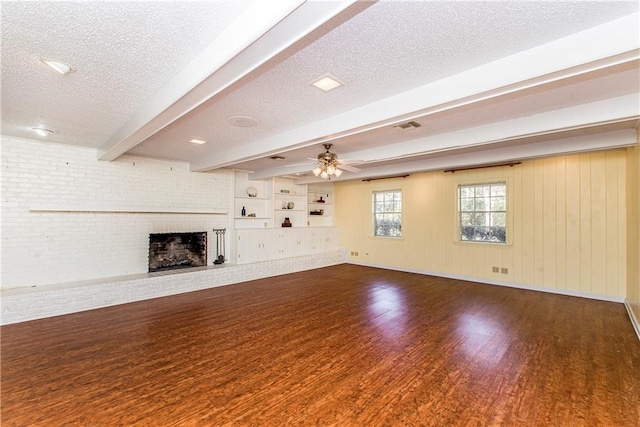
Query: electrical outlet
[[356, 253], [495, 269], [504, 270]]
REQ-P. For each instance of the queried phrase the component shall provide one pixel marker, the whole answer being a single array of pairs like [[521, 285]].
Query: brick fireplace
[[168, 251]]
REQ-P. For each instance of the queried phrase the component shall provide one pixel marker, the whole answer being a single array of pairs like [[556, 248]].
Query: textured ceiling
[[127, 52], [123, 53], [388, 48]]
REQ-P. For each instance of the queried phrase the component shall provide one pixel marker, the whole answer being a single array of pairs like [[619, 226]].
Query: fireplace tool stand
[[219, 245]]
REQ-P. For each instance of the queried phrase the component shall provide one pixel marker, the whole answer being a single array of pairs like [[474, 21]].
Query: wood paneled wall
[[567, 223], [633, 221]]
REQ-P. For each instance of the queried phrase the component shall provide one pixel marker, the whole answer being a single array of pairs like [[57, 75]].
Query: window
[[387, 213], [482, 211]]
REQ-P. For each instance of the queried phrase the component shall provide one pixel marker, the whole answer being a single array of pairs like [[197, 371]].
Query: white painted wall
[[40, 248]]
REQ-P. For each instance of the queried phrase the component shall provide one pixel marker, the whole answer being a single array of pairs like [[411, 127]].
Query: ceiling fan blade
[[350, 161], [349, 168]]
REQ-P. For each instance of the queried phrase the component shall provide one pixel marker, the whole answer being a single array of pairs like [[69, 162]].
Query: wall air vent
[[403, 127]]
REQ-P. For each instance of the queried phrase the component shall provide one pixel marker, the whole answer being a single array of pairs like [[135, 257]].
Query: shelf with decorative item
[[320, 204], [319, 199]]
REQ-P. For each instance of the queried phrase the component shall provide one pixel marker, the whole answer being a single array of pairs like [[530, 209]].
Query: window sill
[[386, 238], [477, 242]]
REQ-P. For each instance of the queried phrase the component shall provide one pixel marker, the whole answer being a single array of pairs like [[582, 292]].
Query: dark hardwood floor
[[344, 346]]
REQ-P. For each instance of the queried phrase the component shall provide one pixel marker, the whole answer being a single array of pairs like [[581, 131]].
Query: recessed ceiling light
[[42, 131], [198, 141], [243, 121], [327, 82], [59, 66]]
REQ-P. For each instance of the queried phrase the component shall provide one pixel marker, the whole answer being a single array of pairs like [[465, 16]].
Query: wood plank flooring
[[345, 346]]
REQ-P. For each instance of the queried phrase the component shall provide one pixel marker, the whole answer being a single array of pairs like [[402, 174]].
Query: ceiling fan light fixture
[[42, 131], [58, 66], [327, 165], [326, 82]]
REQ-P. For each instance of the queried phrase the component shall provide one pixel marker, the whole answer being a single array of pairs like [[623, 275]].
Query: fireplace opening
[[168, 251]]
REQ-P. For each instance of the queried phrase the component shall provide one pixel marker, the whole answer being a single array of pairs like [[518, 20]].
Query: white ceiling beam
[[613, 110], [602, 141], [569, 58], [600, 113], [260, 33]]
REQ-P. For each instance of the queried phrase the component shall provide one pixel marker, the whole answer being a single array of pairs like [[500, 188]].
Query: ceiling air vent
[[403, 127]]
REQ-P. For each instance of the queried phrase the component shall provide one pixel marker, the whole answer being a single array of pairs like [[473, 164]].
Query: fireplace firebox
[[168, 251]]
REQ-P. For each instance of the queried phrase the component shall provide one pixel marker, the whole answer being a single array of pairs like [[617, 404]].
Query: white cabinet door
[[331, 239], [315, 241], [281, 243], [253, 245]]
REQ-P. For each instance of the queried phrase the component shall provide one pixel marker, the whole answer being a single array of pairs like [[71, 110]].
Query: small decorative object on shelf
[[317, 212], [284, 205], [251, 215], [252, 192], [286, 223], [320, 200], [284, 191], [243, 212], [290, 205]]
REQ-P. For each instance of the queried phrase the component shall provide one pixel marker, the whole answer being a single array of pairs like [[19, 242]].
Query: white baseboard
[[498, 283], [632, 316]]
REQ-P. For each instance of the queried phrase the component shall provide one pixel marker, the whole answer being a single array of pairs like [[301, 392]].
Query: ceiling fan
[[328, 165]]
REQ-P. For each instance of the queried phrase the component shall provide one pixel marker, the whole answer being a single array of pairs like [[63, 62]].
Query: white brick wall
[[50, 247], [57, 263]]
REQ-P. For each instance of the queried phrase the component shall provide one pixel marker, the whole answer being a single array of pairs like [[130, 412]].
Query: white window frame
[[374, 213], [487, 211]]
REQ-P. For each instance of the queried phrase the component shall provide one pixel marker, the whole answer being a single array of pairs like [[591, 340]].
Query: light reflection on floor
[[387, 310], [482, 339]]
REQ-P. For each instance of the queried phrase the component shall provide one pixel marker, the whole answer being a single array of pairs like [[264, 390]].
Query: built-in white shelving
[[320, 204], [280, 198]]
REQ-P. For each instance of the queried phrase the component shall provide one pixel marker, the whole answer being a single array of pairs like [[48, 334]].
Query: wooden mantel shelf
[[129, 210]]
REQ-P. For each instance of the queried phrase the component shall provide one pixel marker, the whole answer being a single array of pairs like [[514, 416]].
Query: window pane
[[498, 204], [482, 204], [467, 205], [480, 219], [482, 191], [498, 190], [466, 219], [466, 192], [498, 219]]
